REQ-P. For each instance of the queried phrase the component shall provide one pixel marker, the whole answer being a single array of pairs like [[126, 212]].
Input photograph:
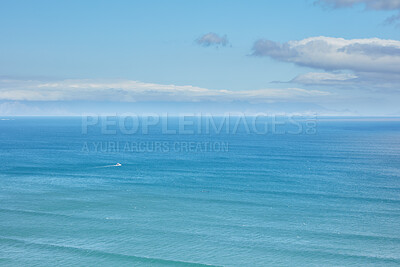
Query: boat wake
[[107, 166]]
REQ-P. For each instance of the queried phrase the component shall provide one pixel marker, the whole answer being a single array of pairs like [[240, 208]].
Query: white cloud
[[370, 4], [388, 5], [383, 82], [211, 38], [315, 78], [134, 91], [359, 55]]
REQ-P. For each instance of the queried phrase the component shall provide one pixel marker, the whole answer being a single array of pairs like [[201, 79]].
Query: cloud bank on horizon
[[135, 91]]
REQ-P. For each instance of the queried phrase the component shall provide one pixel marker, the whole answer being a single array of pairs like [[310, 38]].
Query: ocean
[[324, 194]]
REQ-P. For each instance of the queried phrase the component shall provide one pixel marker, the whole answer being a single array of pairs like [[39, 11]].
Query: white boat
[[118, 164]]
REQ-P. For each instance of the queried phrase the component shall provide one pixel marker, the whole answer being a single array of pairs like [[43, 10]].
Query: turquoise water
[[329, 198]]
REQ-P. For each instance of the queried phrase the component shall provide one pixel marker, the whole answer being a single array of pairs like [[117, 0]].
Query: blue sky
[[329, 57]]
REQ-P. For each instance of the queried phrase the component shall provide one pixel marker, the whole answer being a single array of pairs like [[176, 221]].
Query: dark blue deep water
[[324, 198]]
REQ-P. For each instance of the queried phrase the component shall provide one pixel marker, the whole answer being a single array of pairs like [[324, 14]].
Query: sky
[[323, 57]]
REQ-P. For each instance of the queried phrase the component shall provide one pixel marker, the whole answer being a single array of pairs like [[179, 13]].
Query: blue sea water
[[324, 198]]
